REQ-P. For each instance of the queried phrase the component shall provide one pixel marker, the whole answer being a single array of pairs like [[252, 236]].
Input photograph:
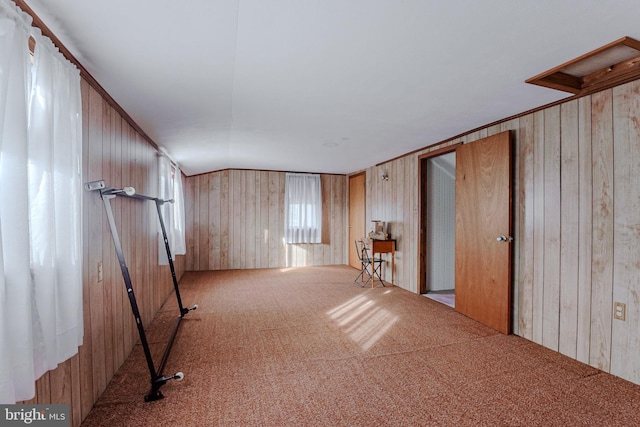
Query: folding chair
[[366, 261]]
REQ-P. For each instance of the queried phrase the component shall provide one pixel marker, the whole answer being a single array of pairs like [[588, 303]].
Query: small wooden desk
[[383, 247]]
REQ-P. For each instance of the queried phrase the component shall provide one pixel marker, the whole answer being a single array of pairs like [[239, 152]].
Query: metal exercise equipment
[[106, 194]]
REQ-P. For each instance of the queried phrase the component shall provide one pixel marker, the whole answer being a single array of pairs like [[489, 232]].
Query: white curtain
[[179, 241], [173, 216], [303, 208], [40, 207]]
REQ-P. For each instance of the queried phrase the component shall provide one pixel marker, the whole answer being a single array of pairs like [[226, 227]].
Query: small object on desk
[[379, 230]]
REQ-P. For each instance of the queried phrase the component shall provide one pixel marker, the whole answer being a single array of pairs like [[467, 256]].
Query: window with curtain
[[41, 323], [303, 208], [170, 186]]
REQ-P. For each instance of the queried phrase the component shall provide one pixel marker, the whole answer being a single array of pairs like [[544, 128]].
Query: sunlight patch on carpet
[[362, 320]]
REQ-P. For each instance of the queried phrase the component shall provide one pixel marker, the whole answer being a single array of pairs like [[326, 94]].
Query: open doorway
[[437, 218]]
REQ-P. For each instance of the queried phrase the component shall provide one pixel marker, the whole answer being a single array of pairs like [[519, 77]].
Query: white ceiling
[[331, 86]]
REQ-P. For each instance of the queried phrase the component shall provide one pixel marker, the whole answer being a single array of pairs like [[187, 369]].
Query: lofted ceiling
[[332, 86]]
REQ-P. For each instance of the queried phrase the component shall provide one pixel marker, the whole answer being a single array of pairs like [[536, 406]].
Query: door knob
[[505, 239]]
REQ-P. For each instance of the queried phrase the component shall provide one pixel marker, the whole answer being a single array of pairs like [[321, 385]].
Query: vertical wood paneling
[[404, 242], [203, 222], [84, 352], [225, 214], [214, 222], [152, 230], [96, 227], [338, 224], [524, 217], [538, 227], [407, 239], [129, 223], [43, 389], [249, 230], [281, 253], [235, 220], [124, 228], [274, 220], [247, 212], [119, 294], [320, 256], [73, 380], [257, 225], [583, 302], [388, 207], [264, 218], [194, 207], [626, 274], [107, 261], [234, 244], [603, 230], [189, 209], [398, 176], [61, 388], [551, 294], [569, 229], [144, 233]]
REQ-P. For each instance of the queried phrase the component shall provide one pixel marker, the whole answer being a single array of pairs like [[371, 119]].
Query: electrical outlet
[[100, 272], [619, 310]]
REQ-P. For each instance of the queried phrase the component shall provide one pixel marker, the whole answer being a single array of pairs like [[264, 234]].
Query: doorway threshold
[[447, 297]]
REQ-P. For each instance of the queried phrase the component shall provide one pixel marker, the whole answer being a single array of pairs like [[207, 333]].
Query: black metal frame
[[106, 194]]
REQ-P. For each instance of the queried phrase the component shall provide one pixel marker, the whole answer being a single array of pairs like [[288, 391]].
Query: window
[[173, 216], [303, 208]]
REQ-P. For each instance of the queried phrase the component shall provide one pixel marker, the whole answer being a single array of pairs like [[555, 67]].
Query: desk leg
[[373, 269], [393, 264]]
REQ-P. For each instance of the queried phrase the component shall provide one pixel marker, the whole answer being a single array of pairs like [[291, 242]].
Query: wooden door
[[356, 215], [483, 214]]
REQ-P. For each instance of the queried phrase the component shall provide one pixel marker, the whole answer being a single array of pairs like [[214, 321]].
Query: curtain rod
[[163, 152]]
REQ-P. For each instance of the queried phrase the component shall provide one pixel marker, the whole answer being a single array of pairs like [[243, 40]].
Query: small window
[[303, 208]]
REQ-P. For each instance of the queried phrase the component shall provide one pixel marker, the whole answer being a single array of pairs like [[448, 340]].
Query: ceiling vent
[[611, 65]]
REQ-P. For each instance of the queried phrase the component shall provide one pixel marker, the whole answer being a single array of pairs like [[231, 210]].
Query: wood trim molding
[[439, 151], [267, 170]]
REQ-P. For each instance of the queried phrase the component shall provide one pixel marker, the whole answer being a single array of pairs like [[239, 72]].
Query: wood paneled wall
[[115, 152], [235, 219], [576, 225]]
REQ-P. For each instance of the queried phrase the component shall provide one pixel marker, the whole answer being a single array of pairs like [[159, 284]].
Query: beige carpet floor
[[308, 347]]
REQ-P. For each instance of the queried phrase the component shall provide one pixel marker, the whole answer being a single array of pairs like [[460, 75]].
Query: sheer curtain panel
[[40, 207], [172, 213], [303, 208], [179, 230]]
